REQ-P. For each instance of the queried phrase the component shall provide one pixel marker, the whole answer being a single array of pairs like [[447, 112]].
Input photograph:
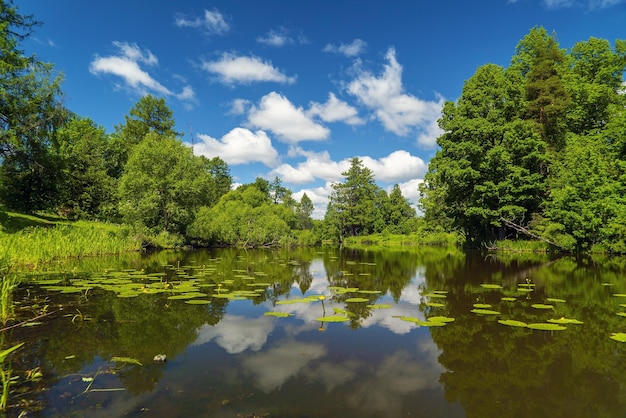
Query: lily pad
[[278, 314], [339, 311], [485, 312], [482, 305], [513, 323], [621, 313], [435, 304], [508, 299], [542, 306], [556, 300], [547, 327], [441, 319], [371, 292], [620, 295], [379, 306], [435, 295], [491, 286], [618, 336], [198, 302], [351, 300], [564, 321], [333, 318]]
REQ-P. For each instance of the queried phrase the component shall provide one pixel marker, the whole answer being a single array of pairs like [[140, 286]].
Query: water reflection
[[228, 359]]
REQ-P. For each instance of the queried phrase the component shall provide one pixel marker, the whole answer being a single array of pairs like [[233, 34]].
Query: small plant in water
[[8, 285]]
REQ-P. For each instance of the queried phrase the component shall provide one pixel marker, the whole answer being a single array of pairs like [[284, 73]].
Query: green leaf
[[507, 299], [333, 318], [542, 306], [128, 360], [555, 300], [278, 314], [485, 312], [491, 286], [618, 336], [563, 321], [482, 305], [351, 300], [513, 323], [379, 306], [440, 319], [546, 327], [5, 353]]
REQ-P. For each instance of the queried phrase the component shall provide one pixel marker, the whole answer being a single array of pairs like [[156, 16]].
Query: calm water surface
[[227, 358]]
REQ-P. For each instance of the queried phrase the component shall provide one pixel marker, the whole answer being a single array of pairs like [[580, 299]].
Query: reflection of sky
[[236, 334], [275, 365], [308, 312]]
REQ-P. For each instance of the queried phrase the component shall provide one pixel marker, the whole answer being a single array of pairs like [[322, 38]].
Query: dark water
[[228, 359]]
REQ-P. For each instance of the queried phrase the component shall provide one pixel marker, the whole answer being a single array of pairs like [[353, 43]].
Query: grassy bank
[[26, 241], [442, 239]]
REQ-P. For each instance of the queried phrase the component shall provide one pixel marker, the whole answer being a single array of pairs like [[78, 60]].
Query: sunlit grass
[[27, 241]]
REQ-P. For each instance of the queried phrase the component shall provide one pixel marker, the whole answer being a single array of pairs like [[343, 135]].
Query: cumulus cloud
[[352, 49], [588, 4], [277, 114], [239, 146], [335, 110], [410, 189], [398, 166], [212, 22], [317, 165], [319, 198], [127, 66], [398, 111], [239, 106], [233, 69]]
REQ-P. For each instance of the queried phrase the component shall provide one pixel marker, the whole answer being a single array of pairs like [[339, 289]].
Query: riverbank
[[27, 241]]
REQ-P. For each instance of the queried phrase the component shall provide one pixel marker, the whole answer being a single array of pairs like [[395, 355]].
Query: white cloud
[[239, 106], [212, 23], [410, 189], [127, 66], [398, 111], [316, 165], [352, 49], [277, 114], [231, 69], [239, 146], [319, 198], [398, 166], [335, 110], [276, 37]]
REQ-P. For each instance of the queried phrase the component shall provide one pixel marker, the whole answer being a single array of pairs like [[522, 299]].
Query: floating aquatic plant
[[357, 300], [485, 312], [547, 326], [556, 300], [618, 336], [491, 286], [482, 305], [513, 323], [435, 295], [278, 314], [564, 321], [128, 360], [380, 306], [333, 318], [542, 306], [508, 299], [435, 304]]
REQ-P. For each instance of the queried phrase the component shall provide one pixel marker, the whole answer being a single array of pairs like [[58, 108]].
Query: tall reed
[[8, 283]]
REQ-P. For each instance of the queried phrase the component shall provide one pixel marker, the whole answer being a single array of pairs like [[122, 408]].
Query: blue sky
[[296, 88]]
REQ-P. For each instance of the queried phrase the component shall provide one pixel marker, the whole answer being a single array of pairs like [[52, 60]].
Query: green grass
[[442, 239], [28, 240]]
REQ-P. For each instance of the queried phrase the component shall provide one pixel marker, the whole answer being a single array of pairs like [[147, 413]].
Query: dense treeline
[[538, 148], [142, 174]]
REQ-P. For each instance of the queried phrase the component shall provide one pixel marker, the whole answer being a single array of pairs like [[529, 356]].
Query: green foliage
[[30, 112], [536, 148], [245, 216], [86, 189], [163, 185]]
